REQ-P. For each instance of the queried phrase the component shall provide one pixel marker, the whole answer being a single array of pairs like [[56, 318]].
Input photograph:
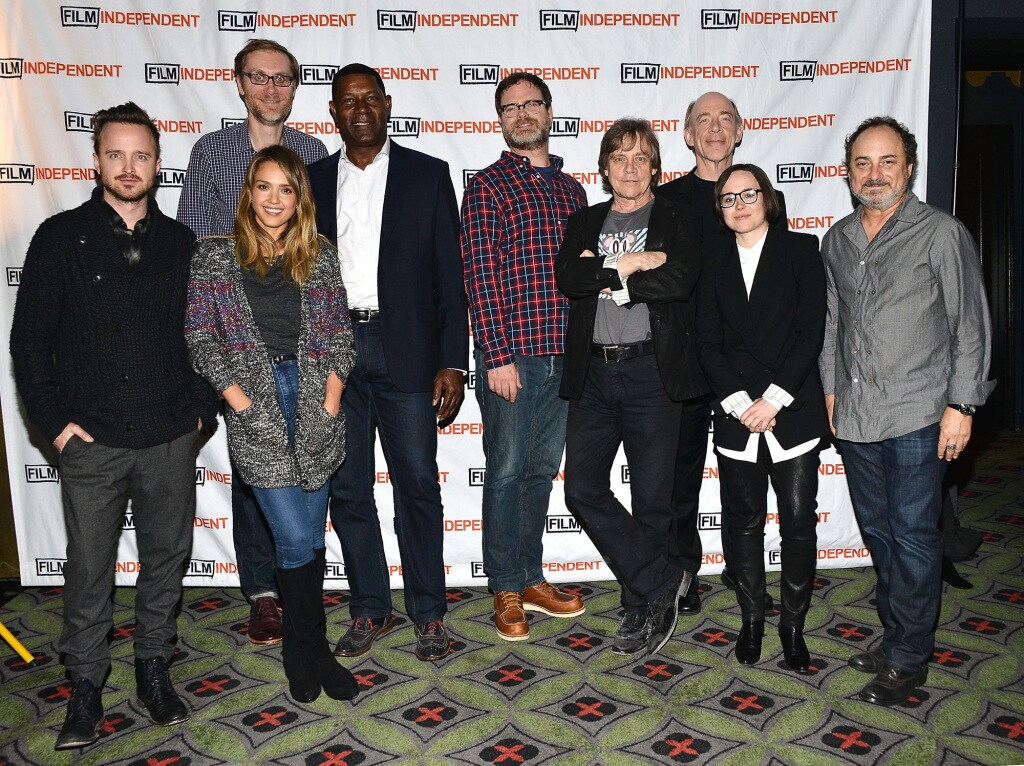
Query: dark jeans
[[96, 483], [896, 488], [685, 549], [523, 443], [296, 517], [407, 425], [254, 543], [625, 403], [744, 506]]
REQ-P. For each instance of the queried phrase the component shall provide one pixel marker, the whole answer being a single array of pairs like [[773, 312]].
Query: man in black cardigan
[[100, 362]]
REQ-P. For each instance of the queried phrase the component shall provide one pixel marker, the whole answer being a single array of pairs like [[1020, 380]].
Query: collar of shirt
[[360, 209], [908, 212], [524, 161], [749, 258], [130, 242]]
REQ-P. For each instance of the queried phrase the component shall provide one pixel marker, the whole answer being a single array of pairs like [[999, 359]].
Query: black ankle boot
[[748, 645], [794, 650]]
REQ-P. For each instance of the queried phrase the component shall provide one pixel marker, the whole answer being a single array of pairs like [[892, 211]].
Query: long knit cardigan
[[226, 348]]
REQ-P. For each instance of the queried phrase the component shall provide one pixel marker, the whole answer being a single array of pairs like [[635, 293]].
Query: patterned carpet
[[563, 698]]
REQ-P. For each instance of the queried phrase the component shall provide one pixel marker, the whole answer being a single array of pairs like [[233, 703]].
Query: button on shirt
[[908, 327], [360, 208], [738, 403]]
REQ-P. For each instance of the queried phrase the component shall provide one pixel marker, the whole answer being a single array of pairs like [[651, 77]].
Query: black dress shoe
[[748, 645], [892, 685], [85, 711], [153, 685], [689, 602], [663, 613], [730, 582], [870, 661], [794, 650]]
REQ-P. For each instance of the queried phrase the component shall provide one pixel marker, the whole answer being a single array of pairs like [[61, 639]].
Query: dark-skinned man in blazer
[[393, 215]]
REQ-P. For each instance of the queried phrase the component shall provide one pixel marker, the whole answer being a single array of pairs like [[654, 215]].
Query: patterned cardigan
[[225, 347]]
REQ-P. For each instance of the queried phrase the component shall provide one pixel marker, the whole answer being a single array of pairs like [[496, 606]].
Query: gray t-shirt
[[622, 233], [276, 306]]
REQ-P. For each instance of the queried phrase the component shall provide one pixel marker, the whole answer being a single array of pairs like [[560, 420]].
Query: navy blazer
[[667, 290], [775, 336], [423, 310]]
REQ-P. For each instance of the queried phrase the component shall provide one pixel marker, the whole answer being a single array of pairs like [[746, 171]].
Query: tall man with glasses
[[266, 76], [713, 129], [905, 363], [392, 212], [513, 216]]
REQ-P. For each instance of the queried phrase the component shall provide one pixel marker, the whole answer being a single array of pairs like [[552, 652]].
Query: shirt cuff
[[777, 397], [737, 403]]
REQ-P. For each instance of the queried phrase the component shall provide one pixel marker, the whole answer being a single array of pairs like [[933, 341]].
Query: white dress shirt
[[360, 207], [738, 403]]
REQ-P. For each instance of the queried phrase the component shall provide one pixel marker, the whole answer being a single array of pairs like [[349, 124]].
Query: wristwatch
[[964, 409]]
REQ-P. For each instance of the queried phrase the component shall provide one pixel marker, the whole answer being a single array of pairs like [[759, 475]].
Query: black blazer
[[423, 310], [668, 291], [775, 336]]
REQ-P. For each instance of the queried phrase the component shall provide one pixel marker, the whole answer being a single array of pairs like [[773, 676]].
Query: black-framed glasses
[[533, 105], [749, 197], [261, 78]]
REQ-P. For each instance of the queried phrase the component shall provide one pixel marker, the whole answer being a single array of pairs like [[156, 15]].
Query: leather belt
[[283, 358], [362, 316], [623, 352]]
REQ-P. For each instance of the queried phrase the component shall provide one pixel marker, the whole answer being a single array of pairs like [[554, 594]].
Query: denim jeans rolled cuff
[[296, 517], [896, 489], [523, 443]]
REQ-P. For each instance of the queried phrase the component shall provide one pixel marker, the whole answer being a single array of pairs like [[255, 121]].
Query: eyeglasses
[[749, 197], [533, 105], [259, 78]]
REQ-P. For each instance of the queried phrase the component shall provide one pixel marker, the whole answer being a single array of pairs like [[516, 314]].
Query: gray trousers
[[96, 484]]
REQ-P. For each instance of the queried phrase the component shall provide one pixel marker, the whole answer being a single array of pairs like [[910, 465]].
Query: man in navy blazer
[[392, 213]]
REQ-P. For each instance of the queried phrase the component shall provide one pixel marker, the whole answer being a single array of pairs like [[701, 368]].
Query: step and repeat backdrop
[[804, 73]]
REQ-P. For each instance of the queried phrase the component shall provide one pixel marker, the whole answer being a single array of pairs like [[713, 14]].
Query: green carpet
[[563, 698]]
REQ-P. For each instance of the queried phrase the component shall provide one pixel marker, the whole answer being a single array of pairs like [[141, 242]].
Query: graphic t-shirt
[[615, 324]]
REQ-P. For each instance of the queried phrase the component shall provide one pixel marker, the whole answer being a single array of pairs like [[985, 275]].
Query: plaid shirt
[[216, 171], [512, 227]]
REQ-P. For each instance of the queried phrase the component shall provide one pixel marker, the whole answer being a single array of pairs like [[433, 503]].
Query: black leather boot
[[748, 645], [337, 681], [794, 650]]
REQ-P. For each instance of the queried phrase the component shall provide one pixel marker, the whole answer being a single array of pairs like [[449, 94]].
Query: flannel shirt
[[512, 227], [216, 172]]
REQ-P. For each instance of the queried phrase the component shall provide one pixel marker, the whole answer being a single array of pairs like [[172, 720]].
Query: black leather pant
[[745, 490]]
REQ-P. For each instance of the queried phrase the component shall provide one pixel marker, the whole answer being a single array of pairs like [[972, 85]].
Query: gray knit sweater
[[226, 348]]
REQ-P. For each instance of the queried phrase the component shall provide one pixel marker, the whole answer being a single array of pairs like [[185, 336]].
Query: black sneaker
[[633, 633], [664, 611], [360, 637], [153, 684], [85, 711], [432, 643]]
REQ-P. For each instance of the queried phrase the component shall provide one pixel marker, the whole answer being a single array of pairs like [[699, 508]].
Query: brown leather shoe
[[264, 622], [545, 597], [509, 617]]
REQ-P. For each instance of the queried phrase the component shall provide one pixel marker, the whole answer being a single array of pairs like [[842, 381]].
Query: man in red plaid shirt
[[513, 218]]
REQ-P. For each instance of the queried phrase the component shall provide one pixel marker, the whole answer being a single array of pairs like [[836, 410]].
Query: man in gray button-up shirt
[[905, 362]]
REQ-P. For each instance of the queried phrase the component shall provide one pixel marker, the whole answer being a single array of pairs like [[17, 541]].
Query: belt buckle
[[606, 349]]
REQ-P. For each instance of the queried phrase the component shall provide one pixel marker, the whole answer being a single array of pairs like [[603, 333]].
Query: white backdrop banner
[[804, 73]]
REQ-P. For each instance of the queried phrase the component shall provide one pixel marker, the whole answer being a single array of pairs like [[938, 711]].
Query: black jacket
[[668, 291], [775, 336], [98, 342]]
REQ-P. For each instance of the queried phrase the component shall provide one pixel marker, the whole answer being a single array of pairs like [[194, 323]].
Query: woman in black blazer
[[760, 325]]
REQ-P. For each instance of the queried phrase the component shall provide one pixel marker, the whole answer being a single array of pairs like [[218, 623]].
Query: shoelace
[[158, 683], [432, 628], [81, 701], [363, 624], [509, 600], [265, 607]]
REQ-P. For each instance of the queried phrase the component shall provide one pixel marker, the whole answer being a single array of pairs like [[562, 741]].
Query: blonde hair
[[299, 244]]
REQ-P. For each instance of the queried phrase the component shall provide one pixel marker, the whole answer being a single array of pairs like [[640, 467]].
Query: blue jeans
[[296, 517], [254, 543], [407, 425], [523, 445], [896, 488]]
